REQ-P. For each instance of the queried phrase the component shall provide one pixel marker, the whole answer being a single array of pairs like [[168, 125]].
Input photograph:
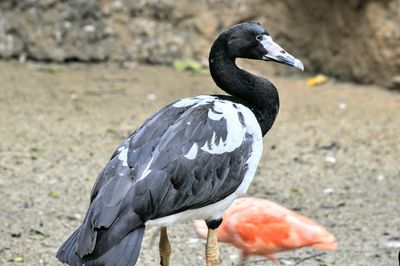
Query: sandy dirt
[[60, 124]]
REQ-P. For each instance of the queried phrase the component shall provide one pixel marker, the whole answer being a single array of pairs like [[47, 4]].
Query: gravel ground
[[333, 154]]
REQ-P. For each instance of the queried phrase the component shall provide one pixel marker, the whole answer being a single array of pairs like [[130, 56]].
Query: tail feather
[[125, 253], [67, 252]]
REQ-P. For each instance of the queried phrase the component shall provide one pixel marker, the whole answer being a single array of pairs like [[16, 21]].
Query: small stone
[[151, 97], [193, 240], [117, 6], [75, 217], [67, 24], [328, 190], [234, 256], [342, 106], [287, 262], [393, 242], [16, 235], [380, 177], [109, 31], [330, 159], [89, 28]]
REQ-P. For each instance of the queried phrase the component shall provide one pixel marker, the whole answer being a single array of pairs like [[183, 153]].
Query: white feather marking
[[213, 211], [123, 155], [235, 130], [198, 100], [147, 170], [254, 130], [123, 152], [213, 115], [192, 153]]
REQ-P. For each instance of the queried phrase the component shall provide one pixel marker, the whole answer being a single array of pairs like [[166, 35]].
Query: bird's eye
[[259, 37]]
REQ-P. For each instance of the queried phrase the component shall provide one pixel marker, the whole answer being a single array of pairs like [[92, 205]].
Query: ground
[[333, 155]]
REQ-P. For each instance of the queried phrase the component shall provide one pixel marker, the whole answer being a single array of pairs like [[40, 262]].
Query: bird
[[261, 227], [188, 161]]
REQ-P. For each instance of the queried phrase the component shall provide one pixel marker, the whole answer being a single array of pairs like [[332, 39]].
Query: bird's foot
[[212, 252], [165, 247]]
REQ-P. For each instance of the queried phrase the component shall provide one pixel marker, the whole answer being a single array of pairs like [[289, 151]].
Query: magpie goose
[[190, 160]]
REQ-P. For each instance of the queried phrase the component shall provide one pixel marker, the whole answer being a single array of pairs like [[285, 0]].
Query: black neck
[[257, 93]]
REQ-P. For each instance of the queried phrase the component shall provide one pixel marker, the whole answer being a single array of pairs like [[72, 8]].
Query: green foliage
[[189, 65]]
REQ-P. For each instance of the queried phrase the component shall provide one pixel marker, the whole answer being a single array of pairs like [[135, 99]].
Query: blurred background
[[351, 40], [76, 77]]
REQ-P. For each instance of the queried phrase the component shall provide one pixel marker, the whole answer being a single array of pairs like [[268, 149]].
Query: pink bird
[[263, 228]]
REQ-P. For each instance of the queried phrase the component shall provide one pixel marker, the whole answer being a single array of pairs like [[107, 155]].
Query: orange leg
[[212, 252], [165, 247]]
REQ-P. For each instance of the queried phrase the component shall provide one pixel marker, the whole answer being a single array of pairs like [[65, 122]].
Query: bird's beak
[[278, 54]]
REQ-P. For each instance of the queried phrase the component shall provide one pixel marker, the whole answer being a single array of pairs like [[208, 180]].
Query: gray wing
[[184, 157], [182, 173]]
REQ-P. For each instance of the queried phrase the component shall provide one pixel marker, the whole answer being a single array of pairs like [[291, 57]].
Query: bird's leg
[[212, 252], [165, 247], [273, 258], [243, 257]]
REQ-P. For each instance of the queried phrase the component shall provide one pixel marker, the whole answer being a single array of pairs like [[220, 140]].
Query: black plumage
[[196, 154]]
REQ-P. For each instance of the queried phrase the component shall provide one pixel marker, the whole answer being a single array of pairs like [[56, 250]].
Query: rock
[[350, 40], [11, 43], [395, 83]]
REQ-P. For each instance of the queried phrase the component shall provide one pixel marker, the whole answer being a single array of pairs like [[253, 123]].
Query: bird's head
[[250, 40]]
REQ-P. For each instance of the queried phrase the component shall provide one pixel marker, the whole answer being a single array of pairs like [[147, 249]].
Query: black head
[[250, 40]]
